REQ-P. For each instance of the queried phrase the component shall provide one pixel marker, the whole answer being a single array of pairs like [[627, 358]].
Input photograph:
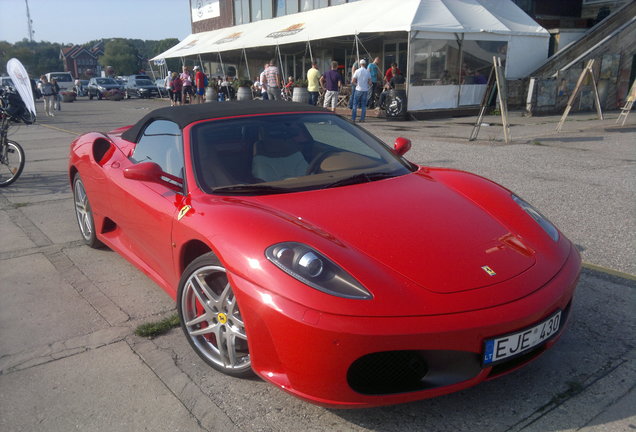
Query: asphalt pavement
[[69, 359]]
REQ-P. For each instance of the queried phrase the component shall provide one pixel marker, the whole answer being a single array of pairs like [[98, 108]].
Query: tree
[[121, 55]]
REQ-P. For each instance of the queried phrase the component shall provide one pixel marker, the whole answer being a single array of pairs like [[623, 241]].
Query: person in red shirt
[[199, 82], [390, 72]]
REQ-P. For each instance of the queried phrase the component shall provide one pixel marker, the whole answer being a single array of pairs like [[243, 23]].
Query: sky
[[80, 21]]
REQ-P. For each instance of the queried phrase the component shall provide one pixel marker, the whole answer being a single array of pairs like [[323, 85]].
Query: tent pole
[[311, 55], [460, 43], [221, 61], [409, 63], [280, 65], [247, 66]]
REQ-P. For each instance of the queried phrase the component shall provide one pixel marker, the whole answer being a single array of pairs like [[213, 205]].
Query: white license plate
[[512, 345]]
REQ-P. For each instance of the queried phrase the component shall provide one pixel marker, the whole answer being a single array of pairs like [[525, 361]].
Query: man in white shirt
[[363, 83]]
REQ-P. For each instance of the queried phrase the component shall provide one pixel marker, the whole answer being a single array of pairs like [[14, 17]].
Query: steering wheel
[[314, 165]]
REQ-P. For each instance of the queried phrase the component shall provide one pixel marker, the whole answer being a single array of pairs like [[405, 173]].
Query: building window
[[261, 9], [306, 5], [241, 12]]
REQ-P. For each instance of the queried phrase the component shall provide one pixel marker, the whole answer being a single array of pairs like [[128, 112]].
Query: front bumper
[[347, 361]]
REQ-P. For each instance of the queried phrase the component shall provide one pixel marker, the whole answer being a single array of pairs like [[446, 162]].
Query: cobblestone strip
[[164, 366], [104, 306]]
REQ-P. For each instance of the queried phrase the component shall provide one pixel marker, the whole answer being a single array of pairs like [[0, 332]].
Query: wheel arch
[[190, 251]]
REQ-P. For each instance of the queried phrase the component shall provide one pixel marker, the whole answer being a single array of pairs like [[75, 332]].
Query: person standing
[[177, 89], [313, 83], [168, 85], [374, 71], [354, 67], [362, 81], [199, 82], [57, 98], [332, 81], [47, 94], [186, 82], [263, 80], [273, 81]]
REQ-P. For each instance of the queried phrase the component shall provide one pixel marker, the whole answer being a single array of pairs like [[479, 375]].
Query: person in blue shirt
[[374, 71]]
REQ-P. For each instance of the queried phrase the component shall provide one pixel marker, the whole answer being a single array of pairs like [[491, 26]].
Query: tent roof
[[365, 16]]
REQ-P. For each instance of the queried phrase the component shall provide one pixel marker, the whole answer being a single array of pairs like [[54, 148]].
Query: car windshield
[[106, 81], [143, 82], [259, 155]]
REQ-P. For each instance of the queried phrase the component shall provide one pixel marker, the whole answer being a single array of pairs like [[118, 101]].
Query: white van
[[64, 80]]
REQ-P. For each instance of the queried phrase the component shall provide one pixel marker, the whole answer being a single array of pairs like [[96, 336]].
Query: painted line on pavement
[[60, 129], [609, 271]]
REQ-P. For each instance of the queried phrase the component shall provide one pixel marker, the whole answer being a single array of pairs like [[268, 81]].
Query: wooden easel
[[587, 70], [629, 103], [495, 77]]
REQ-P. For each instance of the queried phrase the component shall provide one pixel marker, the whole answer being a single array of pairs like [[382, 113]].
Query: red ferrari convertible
[[300, 247]]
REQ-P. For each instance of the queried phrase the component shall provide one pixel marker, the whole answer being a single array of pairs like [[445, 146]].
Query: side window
[[161, 143]]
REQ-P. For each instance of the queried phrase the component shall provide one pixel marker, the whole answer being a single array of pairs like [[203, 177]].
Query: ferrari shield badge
[[488, 270], [185, 209]]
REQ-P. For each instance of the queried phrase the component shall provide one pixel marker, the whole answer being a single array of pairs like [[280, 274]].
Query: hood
[[420, 228]]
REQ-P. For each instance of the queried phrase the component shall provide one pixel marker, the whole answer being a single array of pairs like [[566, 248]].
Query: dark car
[[141, 88], [98, 86]]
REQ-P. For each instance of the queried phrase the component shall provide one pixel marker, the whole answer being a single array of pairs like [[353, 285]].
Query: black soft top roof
[[185, 114]]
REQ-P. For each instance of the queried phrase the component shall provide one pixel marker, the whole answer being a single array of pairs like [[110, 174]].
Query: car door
[[148, 209]]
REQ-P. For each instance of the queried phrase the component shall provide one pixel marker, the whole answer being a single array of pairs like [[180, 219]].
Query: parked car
[[300, 247], [6, 81], [141, 88], [160, 83], [97, 87], [83, 88], [64, 80]]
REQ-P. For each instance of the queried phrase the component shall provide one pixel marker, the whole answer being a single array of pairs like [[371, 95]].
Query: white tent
[[427, 22]]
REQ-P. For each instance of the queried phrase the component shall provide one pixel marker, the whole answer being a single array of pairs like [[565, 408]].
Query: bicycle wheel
[[11, 163]]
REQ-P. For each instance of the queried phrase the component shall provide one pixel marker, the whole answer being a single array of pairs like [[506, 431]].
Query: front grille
[[393, 372], [387, 372]]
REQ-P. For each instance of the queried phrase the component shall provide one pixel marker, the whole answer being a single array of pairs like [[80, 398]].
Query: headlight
[[100, 88], [541, 220], [314, 269]]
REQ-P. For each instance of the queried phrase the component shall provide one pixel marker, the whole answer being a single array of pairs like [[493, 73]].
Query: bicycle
[[12, 157]]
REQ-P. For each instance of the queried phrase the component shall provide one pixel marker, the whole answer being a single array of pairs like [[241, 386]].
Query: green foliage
[[37, 57], [41, 57], [154, 329], [121, 55]]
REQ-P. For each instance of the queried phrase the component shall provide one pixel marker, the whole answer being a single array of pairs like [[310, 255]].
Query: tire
[[395, 108], [213, 326], [84, 214], [11, 163]]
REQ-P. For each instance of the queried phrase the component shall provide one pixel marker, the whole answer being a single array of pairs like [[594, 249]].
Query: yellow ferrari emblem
[[222, 318], [183, 211], [488, 270]]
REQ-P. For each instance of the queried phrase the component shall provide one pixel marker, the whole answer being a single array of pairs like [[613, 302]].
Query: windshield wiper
[[362, 178], [251, 189]]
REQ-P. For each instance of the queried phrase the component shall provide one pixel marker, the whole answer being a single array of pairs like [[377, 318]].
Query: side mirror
[[152, 172], [401, 146]]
